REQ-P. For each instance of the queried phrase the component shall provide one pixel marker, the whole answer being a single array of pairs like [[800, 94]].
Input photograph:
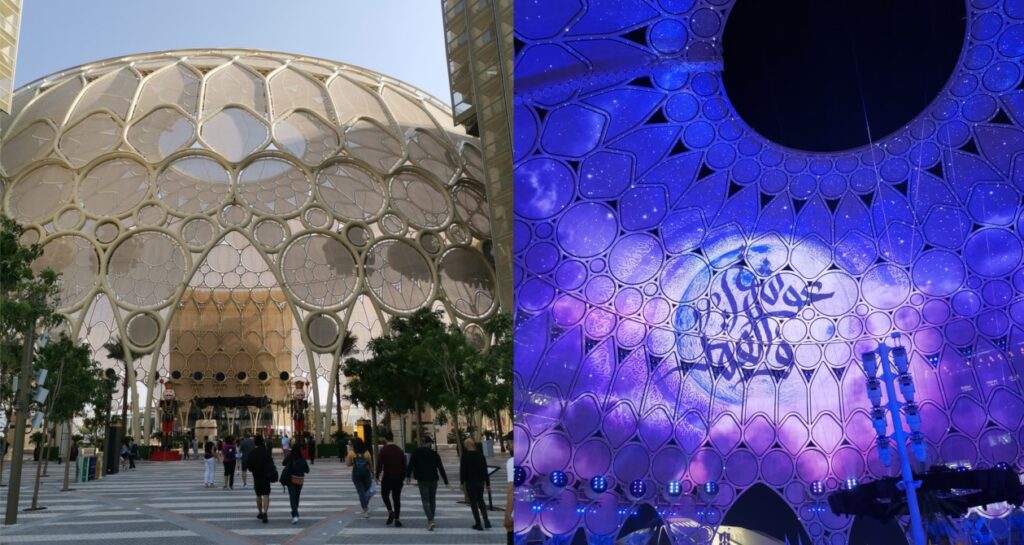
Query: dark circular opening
[[816, 76], [176, 375], [219, 377], [284, 375], [197, 376], [263, 375], [241, 375]]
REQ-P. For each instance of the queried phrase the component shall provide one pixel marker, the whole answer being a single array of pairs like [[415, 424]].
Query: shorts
[[261, 486], [245, 466]]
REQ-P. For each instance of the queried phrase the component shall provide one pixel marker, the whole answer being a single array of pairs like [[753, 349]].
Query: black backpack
[[230, 453]]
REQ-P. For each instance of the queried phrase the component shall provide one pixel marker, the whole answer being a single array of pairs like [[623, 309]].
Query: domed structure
[[229, 214], [693, 298]]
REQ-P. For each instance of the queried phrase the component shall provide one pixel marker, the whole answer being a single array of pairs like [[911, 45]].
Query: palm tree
[[348, 346], [115, 351]]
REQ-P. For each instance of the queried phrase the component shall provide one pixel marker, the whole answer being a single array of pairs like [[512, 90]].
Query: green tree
[[402, 374], [497, 361], [348, 346]]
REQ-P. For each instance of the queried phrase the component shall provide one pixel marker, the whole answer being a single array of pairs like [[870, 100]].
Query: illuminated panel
[[692, 300]]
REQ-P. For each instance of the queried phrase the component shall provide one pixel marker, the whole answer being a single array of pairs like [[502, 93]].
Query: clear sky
[[400, 38]]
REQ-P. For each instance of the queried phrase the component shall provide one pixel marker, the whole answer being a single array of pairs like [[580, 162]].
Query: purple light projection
[[692, 299]]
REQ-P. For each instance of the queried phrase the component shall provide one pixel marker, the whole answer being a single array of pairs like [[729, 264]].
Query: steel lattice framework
[[232, 212], [691, 298]]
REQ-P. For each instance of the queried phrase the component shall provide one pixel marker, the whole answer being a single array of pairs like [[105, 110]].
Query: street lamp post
[[871, 367]]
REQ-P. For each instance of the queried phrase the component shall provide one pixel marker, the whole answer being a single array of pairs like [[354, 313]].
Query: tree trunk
[[337, 394], [39, 468], [458, 435], [67, 458], [124, 403], [373, 434], [501, 431], [46, 459], [419, 424]]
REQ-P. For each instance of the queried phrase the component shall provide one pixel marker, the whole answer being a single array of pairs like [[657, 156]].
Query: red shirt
[[391, 461]]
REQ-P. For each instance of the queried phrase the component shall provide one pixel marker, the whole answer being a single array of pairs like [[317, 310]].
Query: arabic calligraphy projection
[[692, 299]]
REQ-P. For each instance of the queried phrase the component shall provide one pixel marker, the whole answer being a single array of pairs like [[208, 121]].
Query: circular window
[[816, 77]]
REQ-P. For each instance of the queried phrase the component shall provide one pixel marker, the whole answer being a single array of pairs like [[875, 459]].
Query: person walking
[[209, 461], [294, 469], [184, 449], [472, 478], [245, 448], [391, 464], [510, 470], [230, 455], [311, 445], [195, 447], [362, 477], [261, 464], [285, 444], [133, 452], [425, 464]]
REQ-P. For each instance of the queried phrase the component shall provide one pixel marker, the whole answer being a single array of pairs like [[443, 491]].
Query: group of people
[[129, 453], [393, 470]]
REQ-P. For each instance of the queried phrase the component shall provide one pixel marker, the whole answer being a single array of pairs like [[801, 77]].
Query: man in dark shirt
[[425, 464], [245, 447], [391, 462]]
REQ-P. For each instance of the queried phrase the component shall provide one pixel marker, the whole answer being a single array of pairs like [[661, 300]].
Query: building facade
[[478, 38], [230, 214]]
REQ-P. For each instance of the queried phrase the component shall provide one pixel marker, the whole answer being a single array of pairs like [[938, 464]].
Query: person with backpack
[[391, 464], [209, 462], [264, 472], [230, 453], [362, 477], [425, 464], [293, 474], [244, 449], [472, 477]]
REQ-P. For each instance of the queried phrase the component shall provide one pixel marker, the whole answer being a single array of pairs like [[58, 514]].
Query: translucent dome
[[189, 191]]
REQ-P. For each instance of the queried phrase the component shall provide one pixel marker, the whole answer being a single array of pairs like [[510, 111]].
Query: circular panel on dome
[[270, 233], [143, 329], [317, 217], [467, 282], [151, 214], [107, 231], [322, 330], [318, 270], [274, 186], [418, 200], [146, 269], [223, 258], [234, 133], [76, 260], [357, 235], [162, 132], [350, 191], [234, 215], [69, 218], [430, 242], [114, 187], [39, 194], [472, 209], [197, 232], [431, 154], [397, 275], [193, 184]]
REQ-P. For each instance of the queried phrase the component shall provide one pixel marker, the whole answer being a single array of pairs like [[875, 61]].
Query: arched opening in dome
[[761, 509], [819, 76]]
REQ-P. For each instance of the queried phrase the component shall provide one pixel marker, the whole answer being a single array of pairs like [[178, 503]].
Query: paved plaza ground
[[165, 503]]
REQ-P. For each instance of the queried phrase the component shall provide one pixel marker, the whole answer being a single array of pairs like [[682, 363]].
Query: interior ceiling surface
[[228, 180], [692, 299]]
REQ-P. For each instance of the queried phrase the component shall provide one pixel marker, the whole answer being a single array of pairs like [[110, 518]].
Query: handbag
[[272, 475], [297, 480]]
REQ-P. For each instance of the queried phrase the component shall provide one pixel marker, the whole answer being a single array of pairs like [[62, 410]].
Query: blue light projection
[[692, 300]]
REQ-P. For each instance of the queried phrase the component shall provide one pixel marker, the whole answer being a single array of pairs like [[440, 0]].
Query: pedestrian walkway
[[165, 503]]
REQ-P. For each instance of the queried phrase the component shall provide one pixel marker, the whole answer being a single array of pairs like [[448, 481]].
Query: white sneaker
[[366, 513], [295, 520]]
